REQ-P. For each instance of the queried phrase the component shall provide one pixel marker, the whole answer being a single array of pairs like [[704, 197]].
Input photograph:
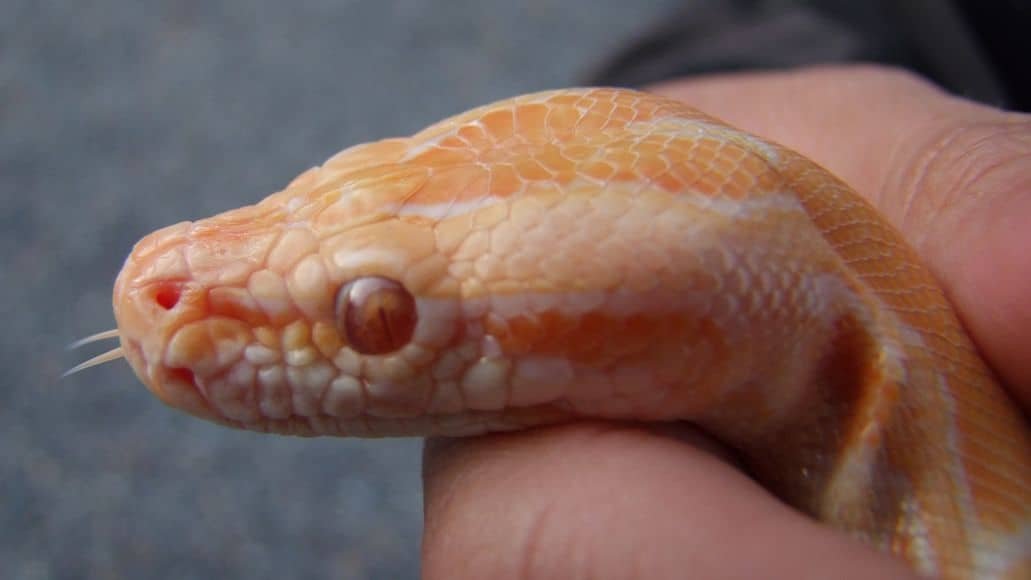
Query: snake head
[[322, 309], [552, 255]]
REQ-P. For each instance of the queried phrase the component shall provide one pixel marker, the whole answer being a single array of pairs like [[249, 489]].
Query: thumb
[[603, 500]]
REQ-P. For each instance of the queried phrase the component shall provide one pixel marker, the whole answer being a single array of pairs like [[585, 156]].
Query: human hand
[[603, 500]]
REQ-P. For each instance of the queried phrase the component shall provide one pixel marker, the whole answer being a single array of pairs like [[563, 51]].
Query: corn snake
[[598, 253]]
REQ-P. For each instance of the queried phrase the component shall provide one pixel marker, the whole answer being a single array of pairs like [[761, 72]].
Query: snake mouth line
[[175, 386], [459, 424]]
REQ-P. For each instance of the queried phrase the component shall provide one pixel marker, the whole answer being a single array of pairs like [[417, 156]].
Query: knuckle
[[959, 167]]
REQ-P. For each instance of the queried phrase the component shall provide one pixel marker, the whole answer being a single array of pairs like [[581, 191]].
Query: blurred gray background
[[119, 116]]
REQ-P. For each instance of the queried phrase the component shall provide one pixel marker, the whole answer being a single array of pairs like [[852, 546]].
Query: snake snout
[[153, 317], [155, 297]]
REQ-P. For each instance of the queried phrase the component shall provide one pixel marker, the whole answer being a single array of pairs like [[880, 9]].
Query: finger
[[603, 501], [952, 175]]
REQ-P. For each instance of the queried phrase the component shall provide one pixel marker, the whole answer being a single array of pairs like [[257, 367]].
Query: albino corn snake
[[598, 253]]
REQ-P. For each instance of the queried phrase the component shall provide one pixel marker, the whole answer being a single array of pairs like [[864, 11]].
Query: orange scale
[[586, 103], [600, 170], [475, 136], [640, 330], [586, 348], [532, 170], [687, 172], [442, 157], [453, 142], [768, 180], [457, 184], [724, 165], [591, 122], [625, 99], [650, 147], [755, 164], [648, 112], [743, 181], [553, 160], [523, 334], [621, 157], [500, 125], [623, 113], [561, 120], [624, 174], [593, 324], [557, 324], [681, 147], [707, 185], [701, 157], [577, 152], [709, 144], [531, 122], [565, 177], [236, 303], [669, 182], [504, 180], [650, 166], [717, 184], [709, 154], [326, 339], [564, 99], [604, 108], [738, 152], [637, 336]]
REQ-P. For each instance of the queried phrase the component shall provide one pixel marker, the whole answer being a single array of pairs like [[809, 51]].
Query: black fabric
[[1003, 28], [974, 48]]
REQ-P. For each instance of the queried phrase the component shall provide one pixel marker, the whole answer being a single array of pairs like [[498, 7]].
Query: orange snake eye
[[376, 315]]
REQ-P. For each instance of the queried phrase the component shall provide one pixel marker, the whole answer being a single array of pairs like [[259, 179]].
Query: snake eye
[[376, 315]]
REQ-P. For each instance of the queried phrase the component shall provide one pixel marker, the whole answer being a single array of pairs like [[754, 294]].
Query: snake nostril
[[167, 295]]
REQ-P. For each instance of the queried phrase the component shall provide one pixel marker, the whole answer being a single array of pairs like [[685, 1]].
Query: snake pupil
[[376, 315]]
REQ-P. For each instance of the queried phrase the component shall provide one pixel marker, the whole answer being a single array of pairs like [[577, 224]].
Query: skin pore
[[602, 500]]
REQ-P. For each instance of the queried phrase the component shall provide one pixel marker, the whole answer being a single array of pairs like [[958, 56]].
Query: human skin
[[607, 500]]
